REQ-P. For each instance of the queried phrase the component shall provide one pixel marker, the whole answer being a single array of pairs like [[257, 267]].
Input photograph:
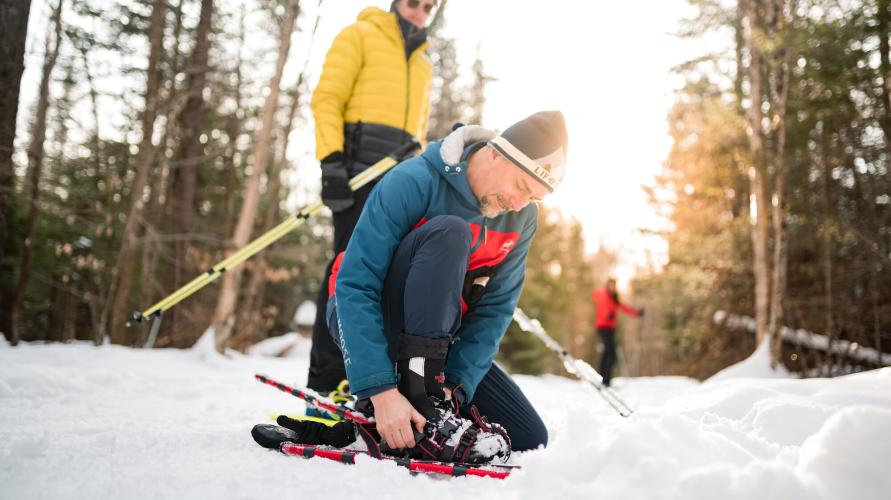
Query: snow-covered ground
[[78, 421]]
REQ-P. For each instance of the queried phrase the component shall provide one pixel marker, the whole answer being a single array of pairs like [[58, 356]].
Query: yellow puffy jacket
[[366, 78]]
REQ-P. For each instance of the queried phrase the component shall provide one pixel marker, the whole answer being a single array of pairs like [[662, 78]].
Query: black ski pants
[[325, 361], [422, 296], [608, 337]]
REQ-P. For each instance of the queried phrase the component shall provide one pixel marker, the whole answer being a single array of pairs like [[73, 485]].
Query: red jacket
[[607, 309]]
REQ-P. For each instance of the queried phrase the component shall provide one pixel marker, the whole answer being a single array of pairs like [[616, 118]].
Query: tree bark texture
[[190, 154], [753, 26], [36, 153], [780, 79], [118, 303], [13, 30], [223, 315]]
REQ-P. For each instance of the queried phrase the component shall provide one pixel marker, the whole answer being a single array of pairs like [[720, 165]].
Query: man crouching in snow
[[429, 282]]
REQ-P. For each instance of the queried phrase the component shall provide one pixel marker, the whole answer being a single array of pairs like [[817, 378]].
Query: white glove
[[453, 145]]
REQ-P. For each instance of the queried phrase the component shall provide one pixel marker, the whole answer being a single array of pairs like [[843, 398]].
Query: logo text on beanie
[[544, 173]]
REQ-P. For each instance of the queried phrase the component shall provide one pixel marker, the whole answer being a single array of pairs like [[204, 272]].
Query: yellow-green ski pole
[[267, 239]]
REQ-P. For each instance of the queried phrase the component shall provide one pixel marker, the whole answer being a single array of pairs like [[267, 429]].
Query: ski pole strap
[[271, 236]]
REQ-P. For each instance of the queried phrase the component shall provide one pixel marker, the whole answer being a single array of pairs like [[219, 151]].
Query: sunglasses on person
[[413, 4]]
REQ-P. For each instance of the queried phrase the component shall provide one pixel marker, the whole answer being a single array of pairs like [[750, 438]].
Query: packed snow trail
[[85, 422]]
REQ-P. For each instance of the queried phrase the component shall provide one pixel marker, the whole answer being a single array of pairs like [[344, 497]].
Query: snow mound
[[757, 365], [305, 315], [849, 445], [288, 345]]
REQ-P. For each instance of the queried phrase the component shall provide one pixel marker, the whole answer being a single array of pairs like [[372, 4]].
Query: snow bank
[[291, 344], [757, 365], [84, 422]]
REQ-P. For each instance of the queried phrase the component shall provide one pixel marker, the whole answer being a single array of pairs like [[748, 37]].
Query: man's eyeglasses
[[413, 4]]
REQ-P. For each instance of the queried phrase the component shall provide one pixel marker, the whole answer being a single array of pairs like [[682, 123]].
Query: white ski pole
[[577, 367]]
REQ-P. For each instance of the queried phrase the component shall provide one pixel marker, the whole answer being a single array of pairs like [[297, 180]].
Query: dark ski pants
[[608, 337], [500, 400], [422, 297], [326, 368]]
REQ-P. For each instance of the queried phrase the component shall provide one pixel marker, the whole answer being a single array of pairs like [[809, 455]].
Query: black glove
[[640, 312], [339, 435], [336, 192]]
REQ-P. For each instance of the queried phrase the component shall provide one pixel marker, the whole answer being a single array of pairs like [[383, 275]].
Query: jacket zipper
[[482, 237], [407, 90]]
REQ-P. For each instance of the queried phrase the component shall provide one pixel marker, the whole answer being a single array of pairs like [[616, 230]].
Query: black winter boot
[[422, 381], [448, 437]]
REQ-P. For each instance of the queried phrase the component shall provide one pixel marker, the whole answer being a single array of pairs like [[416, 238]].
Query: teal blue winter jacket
[[415, 191]]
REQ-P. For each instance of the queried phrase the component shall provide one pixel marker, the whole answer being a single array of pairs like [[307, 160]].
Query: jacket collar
[[388, 23], [411, 35], [454, 175]]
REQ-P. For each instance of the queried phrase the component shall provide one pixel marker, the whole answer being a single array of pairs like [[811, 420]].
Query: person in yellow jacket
[[373, 95]]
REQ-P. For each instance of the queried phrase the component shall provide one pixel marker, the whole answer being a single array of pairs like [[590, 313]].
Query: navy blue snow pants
[[608, 337], [422, 296]]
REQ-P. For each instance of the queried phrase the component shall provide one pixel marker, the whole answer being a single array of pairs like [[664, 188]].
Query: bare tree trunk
[[866, 217], [739, 35], [249, 317], [117, 305], [827, 232], [190, 152], [753, 25], [94, 102], [233, 132], [95, 295], [223, 315], [13, 30], [882, 17], [780, 77], [35, 164], [250, 314], [69, 324], [882, 21], [172, 104]]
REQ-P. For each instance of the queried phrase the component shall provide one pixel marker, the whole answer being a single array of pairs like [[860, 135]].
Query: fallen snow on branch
[[805, 338]]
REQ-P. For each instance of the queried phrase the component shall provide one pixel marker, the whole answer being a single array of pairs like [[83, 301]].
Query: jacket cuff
[[374, 391], [336, 156], [371, 382]]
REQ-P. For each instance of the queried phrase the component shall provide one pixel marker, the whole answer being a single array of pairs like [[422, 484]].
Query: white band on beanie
[[548, 169]]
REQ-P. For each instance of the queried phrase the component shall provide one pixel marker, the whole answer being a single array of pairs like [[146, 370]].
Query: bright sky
[[604, 64]]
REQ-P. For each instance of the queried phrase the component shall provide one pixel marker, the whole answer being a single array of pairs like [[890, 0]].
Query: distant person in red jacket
[[606, 301]]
